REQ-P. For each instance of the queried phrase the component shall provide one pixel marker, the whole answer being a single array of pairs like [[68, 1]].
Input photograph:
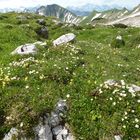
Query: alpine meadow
[[70, 73]]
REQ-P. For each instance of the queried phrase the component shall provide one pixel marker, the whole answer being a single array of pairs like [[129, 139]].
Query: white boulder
[[64, 39], [25, 49]]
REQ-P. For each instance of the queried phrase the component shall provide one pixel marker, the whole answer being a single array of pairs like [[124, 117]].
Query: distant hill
[[115, 16]]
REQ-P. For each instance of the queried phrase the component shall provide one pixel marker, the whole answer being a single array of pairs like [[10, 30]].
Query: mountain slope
[[115, 16], [106, 16], [131, 19], [59, 12]]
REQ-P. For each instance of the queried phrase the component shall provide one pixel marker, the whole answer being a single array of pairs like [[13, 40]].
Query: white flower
[[132, 111], [124, 126], [21, 124], [137, 126], [68, 96], [122, 82], [125, 117], [111, 98], [122, 119], [138, 101], [27, 87], [125, 113], [100, 91], [114, 103], [120, 98], [136, 120]]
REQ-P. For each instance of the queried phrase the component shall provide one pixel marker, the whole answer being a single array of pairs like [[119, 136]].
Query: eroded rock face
[[64, 39], [43, 132], [25, 49]]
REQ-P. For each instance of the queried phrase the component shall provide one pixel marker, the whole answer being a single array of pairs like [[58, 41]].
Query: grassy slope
[[55, 72]]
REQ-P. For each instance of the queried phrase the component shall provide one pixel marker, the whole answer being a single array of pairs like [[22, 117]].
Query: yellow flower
[[26, 78]]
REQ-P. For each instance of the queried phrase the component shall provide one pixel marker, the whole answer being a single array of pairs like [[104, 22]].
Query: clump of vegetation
[[118, 42], [134, 41], [120, 25]]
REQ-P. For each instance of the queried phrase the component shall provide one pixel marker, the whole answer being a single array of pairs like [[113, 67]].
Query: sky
[[65, 3]]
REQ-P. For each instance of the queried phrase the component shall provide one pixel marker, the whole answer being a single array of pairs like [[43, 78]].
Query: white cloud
[[64, 3]]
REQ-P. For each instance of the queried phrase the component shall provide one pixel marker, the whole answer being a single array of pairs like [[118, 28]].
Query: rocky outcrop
[[51, 126]]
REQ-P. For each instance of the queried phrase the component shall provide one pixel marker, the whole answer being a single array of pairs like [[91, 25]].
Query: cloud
[[64, 3]]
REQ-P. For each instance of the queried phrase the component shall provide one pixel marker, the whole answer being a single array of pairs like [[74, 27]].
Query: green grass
[[31, 85]]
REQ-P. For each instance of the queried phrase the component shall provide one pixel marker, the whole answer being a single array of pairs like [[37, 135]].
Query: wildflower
[[125, 117], [125, 113], [114, 103], [136, 126], [27, 87], [132, 111], [136, 120], [26, 78], [124, 126], [122, 82], [122, 119], [100, 91], [138, 101], [68, 96], [120, 98], [21, 124], [111, 98]]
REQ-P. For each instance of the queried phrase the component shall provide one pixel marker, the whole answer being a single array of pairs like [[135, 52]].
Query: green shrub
[[134, 41], [120, 25]]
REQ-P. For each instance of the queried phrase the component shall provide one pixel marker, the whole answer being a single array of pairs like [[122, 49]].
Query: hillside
[[78, 72], [115, 16]]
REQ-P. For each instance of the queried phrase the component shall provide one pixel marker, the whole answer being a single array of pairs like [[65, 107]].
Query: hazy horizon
[[32, 3]]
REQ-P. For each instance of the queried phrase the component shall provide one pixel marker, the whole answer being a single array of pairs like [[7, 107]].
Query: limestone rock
[[13, 134], [25, 49], [43, 132], [64, 39]]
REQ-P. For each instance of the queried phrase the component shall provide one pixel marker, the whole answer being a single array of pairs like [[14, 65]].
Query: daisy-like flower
[[136, 126]]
